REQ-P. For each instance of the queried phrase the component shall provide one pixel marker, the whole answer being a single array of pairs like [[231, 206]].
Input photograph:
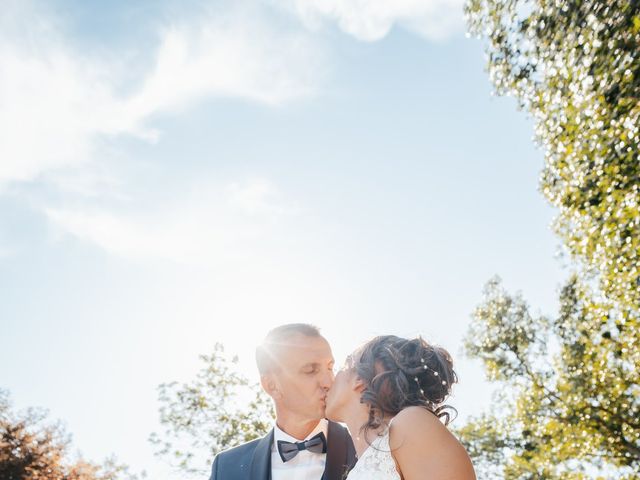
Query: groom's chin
[[323, 407]]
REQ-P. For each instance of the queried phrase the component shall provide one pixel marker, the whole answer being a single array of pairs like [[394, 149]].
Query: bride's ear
[[358, 384]]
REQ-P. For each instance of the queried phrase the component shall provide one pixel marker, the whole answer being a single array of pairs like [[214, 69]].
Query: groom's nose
[[327, 379]]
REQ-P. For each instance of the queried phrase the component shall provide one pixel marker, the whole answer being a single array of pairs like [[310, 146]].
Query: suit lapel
[[261, 459], [340, 453]]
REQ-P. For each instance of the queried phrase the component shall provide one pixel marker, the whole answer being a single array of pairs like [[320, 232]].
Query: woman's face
[[344, 393]]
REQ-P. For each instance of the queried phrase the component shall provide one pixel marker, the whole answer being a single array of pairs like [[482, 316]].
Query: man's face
[[304, 376]]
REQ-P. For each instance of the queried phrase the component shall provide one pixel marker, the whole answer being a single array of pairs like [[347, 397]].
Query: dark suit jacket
[[252, 461]]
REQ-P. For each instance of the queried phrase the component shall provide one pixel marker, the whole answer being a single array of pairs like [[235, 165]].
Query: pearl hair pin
[[435, 373], [418, 383]]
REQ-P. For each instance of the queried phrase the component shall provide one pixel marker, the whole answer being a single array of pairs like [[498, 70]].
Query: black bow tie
[[288, 450]]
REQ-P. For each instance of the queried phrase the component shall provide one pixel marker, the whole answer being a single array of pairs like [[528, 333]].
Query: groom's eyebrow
[[316, 364]]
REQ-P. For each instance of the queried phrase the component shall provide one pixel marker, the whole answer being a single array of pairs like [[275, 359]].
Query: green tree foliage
[[220, 409], [569, 401], [31, 449], [574, 65]]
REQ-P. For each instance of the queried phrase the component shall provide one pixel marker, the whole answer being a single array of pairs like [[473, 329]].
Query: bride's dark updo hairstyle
[[400, 373]]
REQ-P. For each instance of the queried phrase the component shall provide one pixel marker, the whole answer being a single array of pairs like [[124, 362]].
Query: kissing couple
[[390, 394]]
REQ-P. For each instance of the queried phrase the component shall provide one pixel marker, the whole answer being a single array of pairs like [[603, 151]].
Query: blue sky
[[174, 174]]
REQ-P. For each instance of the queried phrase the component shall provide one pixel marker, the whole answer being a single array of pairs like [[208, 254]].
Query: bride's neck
[[362, 438]]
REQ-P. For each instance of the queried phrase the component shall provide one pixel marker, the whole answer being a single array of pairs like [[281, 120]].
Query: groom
[[296, 370]]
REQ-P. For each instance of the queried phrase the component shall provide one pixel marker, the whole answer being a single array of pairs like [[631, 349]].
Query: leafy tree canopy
[[32, 449], [220, 409], [569, 402], [574, 65]]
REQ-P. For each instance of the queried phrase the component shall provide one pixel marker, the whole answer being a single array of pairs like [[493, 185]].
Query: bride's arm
[[424, 449]]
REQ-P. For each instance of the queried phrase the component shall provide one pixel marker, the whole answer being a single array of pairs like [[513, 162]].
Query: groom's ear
[[270, 386]]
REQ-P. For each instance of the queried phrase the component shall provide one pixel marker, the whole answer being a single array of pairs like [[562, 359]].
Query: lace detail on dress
[[376, 463]]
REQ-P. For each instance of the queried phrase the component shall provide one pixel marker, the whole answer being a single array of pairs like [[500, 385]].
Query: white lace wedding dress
[[376, 462]]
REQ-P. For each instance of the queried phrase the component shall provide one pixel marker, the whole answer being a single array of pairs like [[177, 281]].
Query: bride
[[391, 395]]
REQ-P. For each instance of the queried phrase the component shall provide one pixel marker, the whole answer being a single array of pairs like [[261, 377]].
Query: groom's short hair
[[277, 338]]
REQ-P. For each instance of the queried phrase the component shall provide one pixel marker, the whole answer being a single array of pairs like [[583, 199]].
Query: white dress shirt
[[305, 465]]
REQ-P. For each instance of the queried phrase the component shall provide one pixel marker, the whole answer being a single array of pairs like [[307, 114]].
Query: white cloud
[[232, 57], [372, 20], [257, 197], [46, 100], [212, 225], [56, 101], [60, 105]]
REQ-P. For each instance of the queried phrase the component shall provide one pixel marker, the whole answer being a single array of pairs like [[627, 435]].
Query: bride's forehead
[[354, 357], [349, 361]]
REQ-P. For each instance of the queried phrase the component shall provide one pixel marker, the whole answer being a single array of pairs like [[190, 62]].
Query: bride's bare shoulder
[[413, 419], [417, 423], [421, 443]]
